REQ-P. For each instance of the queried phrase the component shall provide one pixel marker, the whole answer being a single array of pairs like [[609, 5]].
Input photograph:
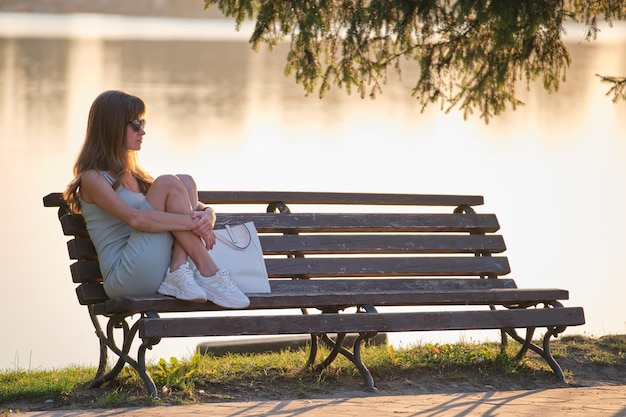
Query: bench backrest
[[337, 235]]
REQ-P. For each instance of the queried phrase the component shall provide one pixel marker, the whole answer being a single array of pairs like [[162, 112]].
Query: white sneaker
[[182, 285], [222, 290]]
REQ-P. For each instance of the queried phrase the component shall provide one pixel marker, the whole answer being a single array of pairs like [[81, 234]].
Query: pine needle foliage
[[470, 54]]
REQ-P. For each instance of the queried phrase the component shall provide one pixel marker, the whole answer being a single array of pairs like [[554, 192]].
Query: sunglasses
[[138, 124]]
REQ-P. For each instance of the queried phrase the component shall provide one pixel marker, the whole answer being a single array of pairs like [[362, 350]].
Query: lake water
[[553, 171]]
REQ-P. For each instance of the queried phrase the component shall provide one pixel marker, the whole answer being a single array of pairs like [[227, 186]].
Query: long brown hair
[[105, 147]]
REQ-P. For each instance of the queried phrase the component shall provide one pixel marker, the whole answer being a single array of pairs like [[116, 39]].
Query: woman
[[144, 229]]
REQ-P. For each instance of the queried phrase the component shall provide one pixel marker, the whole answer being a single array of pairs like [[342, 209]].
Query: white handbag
[[238, 250]]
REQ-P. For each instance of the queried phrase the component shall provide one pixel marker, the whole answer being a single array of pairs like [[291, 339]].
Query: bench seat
[[344, 293]]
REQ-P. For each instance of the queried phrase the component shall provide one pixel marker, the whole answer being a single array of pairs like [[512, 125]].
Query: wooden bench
[[338, 259]]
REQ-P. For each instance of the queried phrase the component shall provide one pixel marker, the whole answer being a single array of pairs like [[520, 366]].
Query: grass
[[42, 384], [607, 350], [280, 375]]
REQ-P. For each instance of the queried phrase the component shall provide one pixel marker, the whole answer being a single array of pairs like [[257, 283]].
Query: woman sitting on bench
[[144, 229]]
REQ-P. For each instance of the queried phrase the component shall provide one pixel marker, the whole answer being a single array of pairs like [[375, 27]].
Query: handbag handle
[[232, 241]]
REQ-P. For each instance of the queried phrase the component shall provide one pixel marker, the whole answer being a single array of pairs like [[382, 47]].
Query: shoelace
[[187, 275], [225, 281]]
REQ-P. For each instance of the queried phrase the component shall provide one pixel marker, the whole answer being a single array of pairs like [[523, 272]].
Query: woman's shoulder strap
[[108, 177]]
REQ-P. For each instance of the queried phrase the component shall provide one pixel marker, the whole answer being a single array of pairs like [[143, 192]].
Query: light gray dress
[[132, 262]]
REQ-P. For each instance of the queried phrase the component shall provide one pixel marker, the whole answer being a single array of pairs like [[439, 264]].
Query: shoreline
[[108, 26], [189, 9]]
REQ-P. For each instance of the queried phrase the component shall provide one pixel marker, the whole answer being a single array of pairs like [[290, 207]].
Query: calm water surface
[[553, 170]]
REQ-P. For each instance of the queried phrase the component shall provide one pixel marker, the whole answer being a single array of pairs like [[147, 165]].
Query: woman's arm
[[96, 189], [208, 211]]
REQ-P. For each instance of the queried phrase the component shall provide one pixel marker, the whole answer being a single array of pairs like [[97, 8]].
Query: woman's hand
[[209, 240], [203, 226]]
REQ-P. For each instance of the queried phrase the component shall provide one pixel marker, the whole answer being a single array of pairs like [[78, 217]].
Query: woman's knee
[[162, 189], [166, 185], [188, 181], [167, 181]]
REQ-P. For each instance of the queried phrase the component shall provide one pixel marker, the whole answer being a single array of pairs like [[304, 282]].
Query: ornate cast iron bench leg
[[545, 351], [337, 348], [108, 341], [354, 356]]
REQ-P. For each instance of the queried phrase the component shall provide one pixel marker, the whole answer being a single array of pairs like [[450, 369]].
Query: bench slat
[[374, 285], [74, 225], [91, 293], [82, 248], [390, 266], [346, 244], [266, 197], [355, 323], [364, 222], [327, 299], [85, 271]]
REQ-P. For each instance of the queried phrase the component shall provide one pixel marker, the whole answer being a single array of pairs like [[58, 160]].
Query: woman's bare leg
[[176, 195], [179, 195]]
